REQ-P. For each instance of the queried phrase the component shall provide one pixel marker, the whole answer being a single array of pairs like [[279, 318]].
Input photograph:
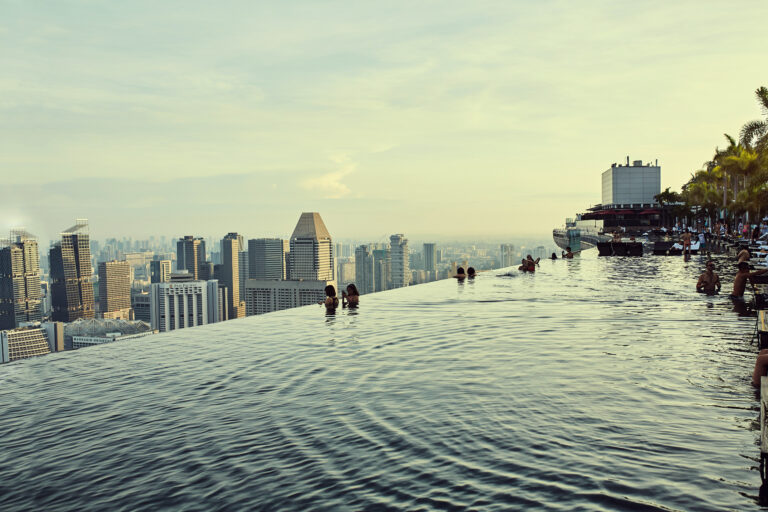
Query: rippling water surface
[[595, 384]]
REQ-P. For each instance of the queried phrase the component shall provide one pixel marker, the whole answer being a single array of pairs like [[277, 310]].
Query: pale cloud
[[329, 185]]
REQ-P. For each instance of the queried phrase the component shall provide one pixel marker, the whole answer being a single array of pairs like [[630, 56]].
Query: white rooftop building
[[631, 186]]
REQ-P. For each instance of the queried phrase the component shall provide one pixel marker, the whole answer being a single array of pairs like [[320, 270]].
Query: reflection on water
[[597, 384]]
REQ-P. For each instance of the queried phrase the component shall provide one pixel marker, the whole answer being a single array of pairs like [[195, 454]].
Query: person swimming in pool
[[709, 281], [471, 273], [460, 274], [351, 297], [331, 301]]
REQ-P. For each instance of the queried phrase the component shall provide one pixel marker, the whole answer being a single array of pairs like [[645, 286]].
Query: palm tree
[[754, 134]]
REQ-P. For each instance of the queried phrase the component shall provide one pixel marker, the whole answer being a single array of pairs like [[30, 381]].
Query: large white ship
[[580, 234]]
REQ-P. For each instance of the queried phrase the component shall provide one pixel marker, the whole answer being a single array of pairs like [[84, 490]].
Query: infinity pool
[[595, 384]]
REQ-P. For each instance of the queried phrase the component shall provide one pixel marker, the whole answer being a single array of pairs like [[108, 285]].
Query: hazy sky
[[427, 118]]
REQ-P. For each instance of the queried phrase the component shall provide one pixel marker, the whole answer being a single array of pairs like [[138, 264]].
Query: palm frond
[[752, 131], [762, 98]]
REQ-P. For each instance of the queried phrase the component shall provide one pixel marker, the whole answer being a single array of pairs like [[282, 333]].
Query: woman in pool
[[351, 297], [331, 301], [460, 275], [471, 272]]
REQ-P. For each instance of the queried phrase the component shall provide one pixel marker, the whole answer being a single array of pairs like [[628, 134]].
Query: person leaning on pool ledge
[[460, 275], [740, 281], [471, 273], [709, 282]]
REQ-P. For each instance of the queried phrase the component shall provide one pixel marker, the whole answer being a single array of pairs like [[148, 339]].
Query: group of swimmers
[[709, 281], [528, 264]]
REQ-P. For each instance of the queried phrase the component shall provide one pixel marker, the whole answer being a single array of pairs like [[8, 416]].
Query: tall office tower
[[243, 271], [71, 273], [142, 307], [430, 257], [507, 255], [345, 272], [311, 249], [160, 271], [20, 291], [230, 274], [115, 289], [183, 304], [206, 271], [190, 254], [267, 258], [381, 269], [364, 270], [398, 255]]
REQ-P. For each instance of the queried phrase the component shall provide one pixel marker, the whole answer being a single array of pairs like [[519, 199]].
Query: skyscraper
[[183, 304], [71, 275], [190, 254], [310, 271], [115, 289], [507, 255], [398, 255], [20, 292], [311, 249], [364, 270], [430, 257], [160, 271], [267, 258], [230, 273]]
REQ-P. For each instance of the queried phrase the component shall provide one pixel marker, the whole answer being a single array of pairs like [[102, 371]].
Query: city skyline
[[358, 112]]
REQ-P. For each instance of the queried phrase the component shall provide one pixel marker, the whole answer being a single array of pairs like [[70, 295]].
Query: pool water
[[593, 384]]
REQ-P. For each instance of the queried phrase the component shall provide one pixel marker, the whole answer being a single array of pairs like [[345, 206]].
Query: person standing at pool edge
[[740, 281]]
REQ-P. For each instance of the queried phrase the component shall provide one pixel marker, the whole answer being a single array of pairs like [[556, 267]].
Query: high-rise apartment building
[[381, 265], [71, 275], [311, 249], [398, 255], [160, 271], [190, 254], [430, 257], [507, 255], [230, 274], [267, 258], [183, 304], [265, 295], [364, 270], [115, 289], [20, 291]]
